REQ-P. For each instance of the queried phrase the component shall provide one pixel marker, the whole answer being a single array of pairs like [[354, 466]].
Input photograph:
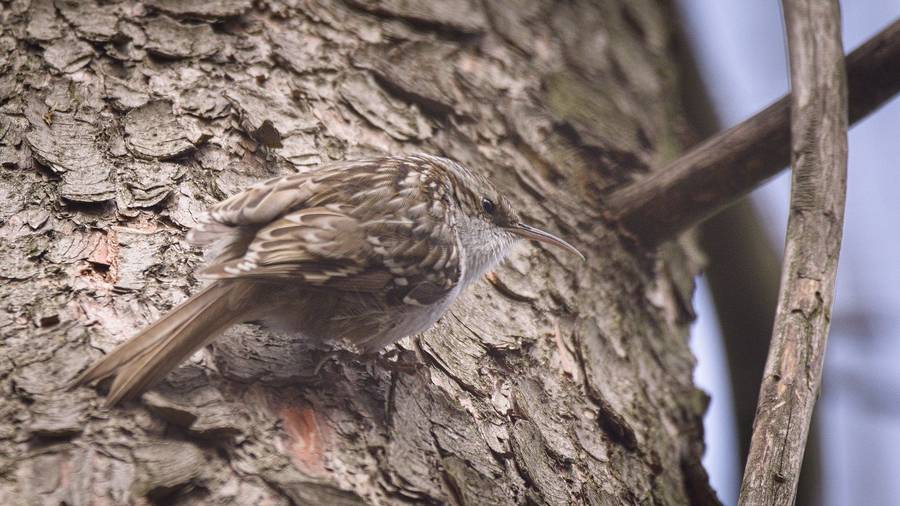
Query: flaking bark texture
[[557, 383]]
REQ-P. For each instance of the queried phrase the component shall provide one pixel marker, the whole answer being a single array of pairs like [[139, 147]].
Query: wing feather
[[330, 228]]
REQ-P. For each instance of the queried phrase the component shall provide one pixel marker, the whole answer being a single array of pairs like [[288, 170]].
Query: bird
[[368, 251]]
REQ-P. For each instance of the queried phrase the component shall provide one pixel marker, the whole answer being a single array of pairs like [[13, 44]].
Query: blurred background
[[854, 451]]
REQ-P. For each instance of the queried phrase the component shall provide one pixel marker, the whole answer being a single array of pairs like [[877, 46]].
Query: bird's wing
[[257, 206], [330, 234]]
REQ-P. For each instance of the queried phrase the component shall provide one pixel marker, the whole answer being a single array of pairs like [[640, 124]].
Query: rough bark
[[559, 383], [793, 371]]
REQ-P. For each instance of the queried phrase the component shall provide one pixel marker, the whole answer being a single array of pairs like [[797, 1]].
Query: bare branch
[[819, 158], [719, 171]]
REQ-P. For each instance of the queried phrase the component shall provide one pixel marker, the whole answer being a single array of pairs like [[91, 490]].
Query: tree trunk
[[556, 382]]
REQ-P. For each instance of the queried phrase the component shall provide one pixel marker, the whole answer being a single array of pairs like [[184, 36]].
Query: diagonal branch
[[793, 370], [719, 171]]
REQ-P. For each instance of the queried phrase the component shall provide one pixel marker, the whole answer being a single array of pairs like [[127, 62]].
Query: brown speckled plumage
[[369, 251]]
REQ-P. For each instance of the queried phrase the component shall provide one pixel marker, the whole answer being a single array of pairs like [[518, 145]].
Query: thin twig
[[720, 170], [793, 370]]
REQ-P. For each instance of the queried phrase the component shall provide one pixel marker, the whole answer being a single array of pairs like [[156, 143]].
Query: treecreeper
[[368, 251]]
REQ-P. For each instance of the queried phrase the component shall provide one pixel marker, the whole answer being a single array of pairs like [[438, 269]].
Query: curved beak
[[536, 234]]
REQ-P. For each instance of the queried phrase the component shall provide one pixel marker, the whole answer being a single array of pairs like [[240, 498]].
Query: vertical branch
[[819, 159]]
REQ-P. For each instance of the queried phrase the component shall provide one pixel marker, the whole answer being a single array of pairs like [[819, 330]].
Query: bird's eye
[[488, 205]]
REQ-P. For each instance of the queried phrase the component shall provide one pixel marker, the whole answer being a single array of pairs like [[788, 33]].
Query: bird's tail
[[155, 351]]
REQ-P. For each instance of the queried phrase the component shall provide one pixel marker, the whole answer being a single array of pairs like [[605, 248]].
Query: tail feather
[[155, 351]]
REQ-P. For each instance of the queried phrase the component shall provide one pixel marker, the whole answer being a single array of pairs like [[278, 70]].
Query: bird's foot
[[335, 355], [398, 360], [394, 360]]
